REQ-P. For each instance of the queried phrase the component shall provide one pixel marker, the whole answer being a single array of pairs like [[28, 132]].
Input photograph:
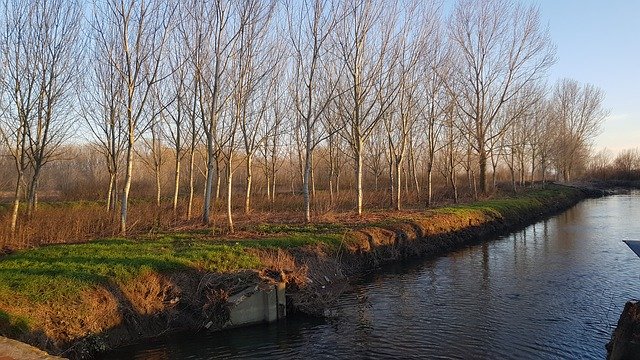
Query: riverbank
[[76, 300]]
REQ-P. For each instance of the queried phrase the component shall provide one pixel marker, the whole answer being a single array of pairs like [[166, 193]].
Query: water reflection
[[552, 290]]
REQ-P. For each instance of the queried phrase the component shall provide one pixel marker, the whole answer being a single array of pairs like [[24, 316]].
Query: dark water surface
[[553, 290]]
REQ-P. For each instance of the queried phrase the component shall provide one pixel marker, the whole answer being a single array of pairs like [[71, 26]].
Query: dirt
[[156, 304]]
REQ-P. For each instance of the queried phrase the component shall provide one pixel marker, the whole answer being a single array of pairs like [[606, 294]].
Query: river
[[552, 290]]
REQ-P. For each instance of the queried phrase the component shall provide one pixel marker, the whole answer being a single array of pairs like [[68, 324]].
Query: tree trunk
[[359, 194], [429, 184], [32, 194], [208, 188], [158, 189], [416, 182], [111, 193], [306, 177], [391, 182], [176, 183], [218, 179], [512, 170], [273, 188], [268, 179], [127, 186], [482, 163], [454, 186], [229, 188], [191, 184], [398, 183], [331, 175], [494, 180], [16, 204], [247, 197], [474, 184], [406, 183], [533, 167]]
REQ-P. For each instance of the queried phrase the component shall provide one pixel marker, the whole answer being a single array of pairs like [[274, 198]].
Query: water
[[553, 290]]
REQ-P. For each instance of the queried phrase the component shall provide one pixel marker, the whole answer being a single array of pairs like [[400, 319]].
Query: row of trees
[[623, 166], [387, 86]]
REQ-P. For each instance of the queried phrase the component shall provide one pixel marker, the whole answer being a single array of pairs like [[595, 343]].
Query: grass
[[514, 205], [13, 325], [61, 272]]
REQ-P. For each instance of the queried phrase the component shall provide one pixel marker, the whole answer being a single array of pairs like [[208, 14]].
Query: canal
[[552, 290]]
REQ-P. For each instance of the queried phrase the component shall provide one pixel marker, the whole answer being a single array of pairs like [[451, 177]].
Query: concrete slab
[[16, 350], [256, 305]]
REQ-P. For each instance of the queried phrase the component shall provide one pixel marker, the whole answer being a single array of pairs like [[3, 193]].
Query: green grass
[[308, 228], [62, 272], [13, 325], [514, 205]]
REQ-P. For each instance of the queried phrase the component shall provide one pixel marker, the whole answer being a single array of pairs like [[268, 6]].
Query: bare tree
[[196, 29], [178, 105], [314, 85], [578, 112], [20, 91], [626, 164], [272, 157], [103, 111], [260, 54], [451, 159], [218, 38], [58, 56], [252, 17], [364, 39], [436, 71], [41, 52], [400, 118], [140, 31], [374, 158], [154, 136], [501, 47]]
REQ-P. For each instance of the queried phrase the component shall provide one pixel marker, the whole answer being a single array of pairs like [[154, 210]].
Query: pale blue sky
[[598, 41]]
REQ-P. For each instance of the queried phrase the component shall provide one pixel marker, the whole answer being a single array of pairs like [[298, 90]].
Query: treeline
[[624, 166], [378, 92]]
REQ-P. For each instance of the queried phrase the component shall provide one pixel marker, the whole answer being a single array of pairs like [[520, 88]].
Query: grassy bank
[[110, 291]]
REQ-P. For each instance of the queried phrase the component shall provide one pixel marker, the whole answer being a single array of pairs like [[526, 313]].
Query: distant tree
[[578, 114], [500, 48], [627, 164]]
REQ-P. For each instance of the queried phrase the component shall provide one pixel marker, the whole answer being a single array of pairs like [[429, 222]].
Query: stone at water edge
[[15, 350], [625, 340]]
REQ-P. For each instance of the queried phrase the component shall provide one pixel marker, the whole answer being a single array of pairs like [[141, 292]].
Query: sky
[[598, 42]]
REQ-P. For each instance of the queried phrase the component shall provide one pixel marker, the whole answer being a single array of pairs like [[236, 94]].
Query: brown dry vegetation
[[142, 297], [59, 222]]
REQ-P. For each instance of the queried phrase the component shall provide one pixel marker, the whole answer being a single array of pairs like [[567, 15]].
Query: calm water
[[553, 290]]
